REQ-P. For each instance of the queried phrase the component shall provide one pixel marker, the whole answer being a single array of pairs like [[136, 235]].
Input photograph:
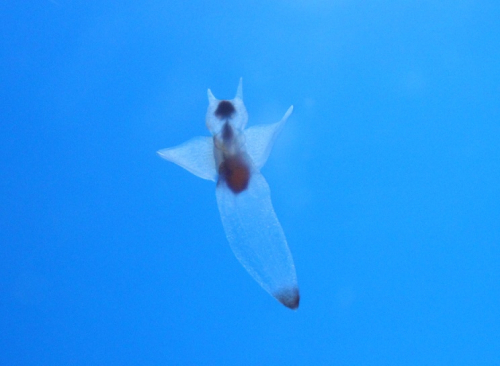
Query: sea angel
[[233, 157]]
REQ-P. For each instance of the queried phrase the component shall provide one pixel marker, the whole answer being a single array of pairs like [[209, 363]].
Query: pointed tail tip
[[290, 297]]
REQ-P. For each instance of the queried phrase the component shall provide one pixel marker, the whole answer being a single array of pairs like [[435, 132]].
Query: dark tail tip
[[289, 297]]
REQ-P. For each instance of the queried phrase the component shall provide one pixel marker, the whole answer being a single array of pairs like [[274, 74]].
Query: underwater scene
[[282, 182]]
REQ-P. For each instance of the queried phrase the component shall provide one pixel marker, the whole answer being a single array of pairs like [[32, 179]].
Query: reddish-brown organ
[[234, 171]]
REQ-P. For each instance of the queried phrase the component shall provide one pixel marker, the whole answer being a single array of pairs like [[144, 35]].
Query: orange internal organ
[[235, 172]]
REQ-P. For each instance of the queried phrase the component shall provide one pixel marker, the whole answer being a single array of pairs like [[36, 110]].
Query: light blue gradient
[[386, 181]]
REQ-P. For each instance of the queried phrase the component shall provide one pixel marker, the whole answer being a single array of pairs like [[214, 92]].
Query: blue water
[[386, 181]]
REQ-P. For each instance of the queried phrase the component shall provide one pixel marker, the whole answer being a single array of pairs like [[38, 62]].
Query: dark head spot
[[225, 109]]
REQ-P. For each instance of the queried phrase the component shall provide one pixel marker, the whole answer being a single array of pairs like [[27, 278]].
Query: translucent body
[[233, 158]]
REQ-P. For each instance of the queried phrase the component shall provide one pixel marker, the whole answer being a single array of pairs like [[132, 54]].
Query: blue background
[[386, 181]]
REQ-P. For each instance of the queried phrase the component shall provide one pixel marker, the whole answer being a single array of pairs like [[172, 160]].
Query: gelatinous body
[[233, 157]]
